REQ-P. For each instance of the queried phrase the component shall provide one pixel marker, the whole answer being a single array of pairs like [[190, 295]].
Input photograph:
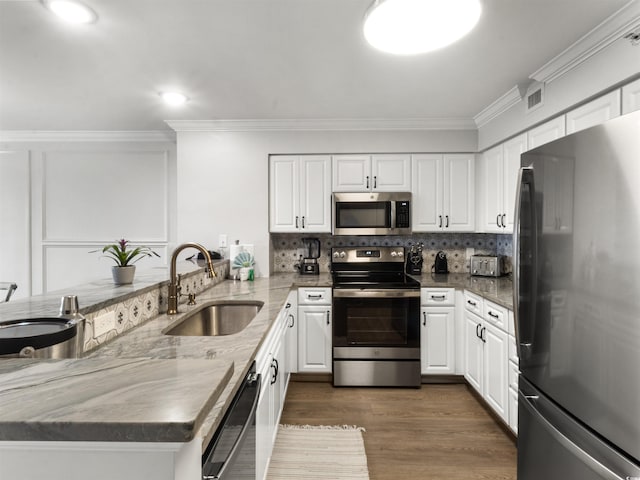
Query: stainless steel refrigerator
[[577, 305]]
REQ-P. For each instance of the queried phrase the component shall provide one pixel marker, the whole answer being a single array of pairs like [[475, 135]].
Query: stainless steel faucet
[[174, 285]]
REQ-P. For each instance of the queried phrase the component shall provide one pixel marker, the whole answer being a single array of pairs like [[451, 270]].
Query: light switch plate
[[222, 240], [103, 323]]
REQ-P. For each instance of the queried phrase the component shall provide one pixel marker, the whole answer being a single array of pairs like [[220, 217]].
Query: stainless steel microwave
[[368, 213]]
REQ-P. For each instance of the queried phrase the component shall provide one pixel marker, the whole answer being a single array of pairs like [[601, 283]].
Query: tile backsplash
[[286, 247]]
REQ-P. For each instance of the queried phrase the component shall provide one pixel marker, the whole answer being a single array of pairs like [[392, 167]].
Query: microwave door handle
[[524, 323], [392, 215]]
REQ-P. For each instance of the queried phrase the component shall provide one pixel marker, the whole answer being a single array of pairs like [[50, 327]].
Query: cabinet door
[[595, 112], [351, 173], [513, 410], [437, 347], [315, 193], [459, 192], [277, 387], [427, 193], [284, 194], [491, 200], [496, 381], [547, 132], [292, 333], [314, 339], [391, 173], [473, 361], [263, 421], [631, 97], [512, 151]]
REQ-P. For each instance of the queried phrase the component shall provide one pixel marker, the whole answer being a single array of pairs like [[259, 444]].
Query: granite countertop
[[153, 371], [498, 290], [176, 387], [108, 399]]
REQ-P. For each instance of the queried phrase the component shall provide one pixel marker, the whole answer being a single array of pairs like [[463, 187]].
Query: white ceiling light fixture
[[409, 27], [72, 11], [174, 99]]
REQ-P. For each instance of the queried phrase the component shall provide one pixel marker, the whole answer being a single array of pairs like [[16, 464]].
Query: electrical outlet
[[222, 240], [103, 323]]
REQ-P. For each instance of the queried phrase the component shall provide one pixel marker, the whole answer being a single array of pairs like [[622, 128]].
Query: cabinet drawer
[[513, 375], [314, 296], [495, 314], [437, 296], [513, 350], [473, 303]]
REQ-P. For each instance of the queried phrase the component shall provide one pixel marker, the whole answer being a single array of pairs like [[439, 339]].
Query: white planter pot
[[123, 275]]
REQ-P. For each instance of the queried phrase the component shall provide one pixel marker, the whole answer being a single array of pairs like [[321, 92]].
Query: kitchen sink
[[216, 318]]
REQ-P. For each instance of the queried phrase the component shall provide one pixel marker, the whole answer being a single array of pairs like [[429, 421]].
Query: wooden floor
[[435, 432]]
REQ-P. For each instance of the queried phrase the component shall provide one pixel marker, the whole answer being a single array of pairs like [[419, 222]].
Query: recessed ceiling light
[[174, 98], [407, 27], [71, 11]]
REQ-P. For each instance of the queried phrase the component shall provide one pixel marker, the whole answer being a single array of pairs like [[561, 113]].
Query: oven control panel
[[367, 254]]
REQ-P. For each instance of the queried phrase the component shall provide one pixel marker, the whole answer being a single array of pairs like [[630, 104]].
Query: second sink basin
[[216, 318]]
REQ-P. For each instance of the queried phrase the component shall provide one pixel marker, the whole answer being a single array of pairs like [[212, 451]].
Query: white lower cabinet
[[314, 339], [271, 363], [513, 410], [495, 378], [473, 347], [437, 340], [314, 330], [486, 358], [437, 331], [291, 307]]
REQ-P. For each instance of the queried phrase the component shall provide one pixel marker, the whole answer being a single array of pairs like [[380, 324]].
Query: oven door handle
[[375, 293]]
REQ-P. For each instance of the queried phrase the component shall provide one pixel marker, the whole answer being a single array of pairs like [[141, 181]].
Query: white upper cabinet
[[631, 97], [547, 132], [443, 192], [511, 166], [351, 173], [497, 185], [300, 193], [372, 173], [595, 112]]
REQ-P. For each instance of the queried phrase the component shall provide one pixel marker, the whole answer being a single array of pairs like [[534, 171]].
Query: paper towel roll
[[234, 250]]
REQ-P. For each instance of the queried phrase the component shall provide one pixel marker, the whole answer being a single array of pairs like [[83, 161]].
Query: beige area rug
[[318, 452]]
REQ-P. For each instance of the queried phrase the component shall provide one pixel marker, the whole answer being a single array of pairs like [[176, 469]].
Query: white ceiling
[[262, 59]]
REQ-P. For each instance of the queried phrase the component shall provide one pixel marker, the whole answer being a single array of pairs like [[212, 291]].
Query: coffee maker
[[309, 263]]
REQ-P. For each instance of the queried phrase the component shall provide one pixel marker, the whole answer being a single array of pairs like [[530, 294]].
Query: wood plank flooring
[[435, 432]]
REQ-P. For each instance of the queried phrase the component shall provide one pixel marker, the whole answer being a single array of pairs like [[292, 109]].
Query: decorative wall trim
[[498, 107], [86, 136], [321, 124], [613, 28]]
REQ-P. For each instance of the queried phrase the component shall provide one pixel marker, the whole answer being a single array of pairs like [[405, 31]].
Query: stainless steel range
[[376, 318]]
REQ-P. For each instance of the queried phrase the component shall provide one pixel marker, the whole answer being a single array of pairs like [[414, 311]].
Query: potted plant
[[125, 256], [244, 261]]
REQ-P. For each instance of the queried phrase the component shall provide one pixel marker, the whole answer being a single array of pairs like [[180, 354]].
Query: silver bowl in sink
[[216, 318]]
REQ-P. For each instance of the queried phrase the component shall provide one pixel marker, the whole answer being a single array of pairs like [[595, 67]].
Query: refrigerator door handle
[[529, 402], [525, 177]]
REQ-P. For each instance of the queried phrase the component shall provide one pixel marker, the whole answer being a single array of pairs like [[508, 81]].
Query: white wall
[[223, 179], [614, 65], [63, 199]]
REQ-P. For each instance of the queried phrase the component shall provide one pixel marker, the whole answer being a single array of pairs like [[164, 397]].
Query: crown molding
[[265, 125], [498, 107], [613, 28], [86, 136]]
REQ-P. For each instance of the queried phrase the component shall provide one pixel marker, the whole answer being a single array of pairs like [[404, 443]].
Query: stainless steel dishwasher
[[231, 454]]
